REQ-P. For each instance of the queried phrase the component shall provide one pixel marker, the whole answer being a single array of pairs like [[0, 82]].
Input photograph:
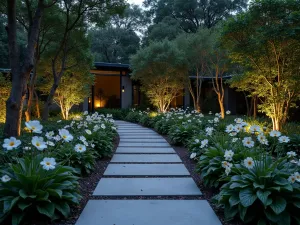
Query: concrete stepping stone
[[136, 137], [143, 158], [143, 140], [146, 187], [139, 135], [144, 150], [148, 212], [146, 170], [136, 131], [142, 144]]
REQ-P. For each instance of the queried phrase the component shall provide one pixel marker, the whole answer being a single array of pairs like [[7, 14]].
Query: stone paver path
[[146, 165]]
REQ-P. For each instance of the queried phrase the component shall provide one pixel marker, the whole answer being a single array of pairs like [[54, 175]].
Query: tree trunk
[[37, 107], [254, 107], [20, 74], [45, 114], [222, 109]]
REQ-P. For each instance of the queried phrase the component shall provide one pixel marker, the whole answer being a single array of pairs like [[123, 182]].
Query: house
[[113, 88]]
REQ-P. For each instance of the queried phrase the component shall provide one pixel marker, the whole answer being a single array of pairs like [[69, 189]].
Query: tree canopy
[[266, 41], [161, 67]]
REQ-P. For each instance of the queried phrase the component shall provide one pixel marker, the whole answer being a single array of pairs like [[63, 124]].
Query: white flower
[[283, 139], [48, 163], [85, 113], [80, 148], [234, 140], [34, 126], [228, 112], [292, 179], [238, 120], [92, 145], [88, 132], [226, 164], [82, 138], [96, 127], [238, 127], [275, 133], [255, 128], [103, 126], [197, 141], [262, 139], [204, 143], [297, 175], [5, 178], [216, 120], [291, 154], [232, 134], [49, 135], [209, 131], [65, 134], [11, 143], [50, 143], [227, 170], [247, 142], [193, 155], [229, 128], [249, 163], [57, 138], [39, 143], [58, 121], [228, 155]]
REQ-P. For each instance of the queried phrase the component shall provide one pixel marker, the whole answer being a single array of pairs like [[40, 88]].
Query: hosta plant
[[265, 191], [80, 157], [37, 186], [180, 134]]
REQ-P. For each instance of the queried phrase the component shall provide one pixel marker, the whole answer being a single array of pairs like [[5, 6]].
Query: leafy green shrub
[[163, 125], [29, 189], [117, 114], [146, 121], [78, 157], [180, 134], [102, 143], [294, 143], [267, 193], [133, 116]]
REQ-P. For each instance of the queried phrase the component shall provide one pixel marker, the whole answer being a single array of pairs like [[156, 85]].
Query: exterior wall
[[127, 94], [187, 98], [85, 105]]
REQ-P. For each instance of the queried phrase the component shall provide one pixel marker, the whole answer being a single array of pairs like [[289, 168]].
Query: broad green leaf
[[23, 194], [278, 205], [47, 209], [55, 192], [64, 208], [297, 204], [263, 196], [247, 197], [24, 205], [256, 185], [17, 218], [243, 211], [234, 200]]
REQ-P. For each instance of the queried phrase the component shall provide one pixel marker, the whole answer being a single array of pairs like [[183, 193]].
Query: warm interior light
[[123, 89]]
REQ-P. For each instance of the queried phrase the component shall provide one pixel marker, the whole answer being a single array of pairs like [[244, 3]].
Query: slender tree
[[161, 67], [75, 14], [265, 40]]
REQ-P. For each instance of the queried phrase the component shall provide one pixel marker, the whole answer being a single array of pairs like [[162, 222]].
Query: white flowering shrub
[[37, 185], [263, 191], [38, 170]]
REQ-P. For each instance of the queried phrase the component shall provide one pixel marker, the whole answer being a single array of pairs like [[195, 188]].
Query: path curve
[[146, 166]]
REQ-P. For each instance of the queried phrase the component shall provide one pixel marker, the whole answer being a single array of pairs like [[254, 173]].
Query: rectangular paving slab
[[148, 212], [146, 170], [139, 135], [144, 150], [146, 187], [142, 144], [143, 140], [136, 132], [143, 158]]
